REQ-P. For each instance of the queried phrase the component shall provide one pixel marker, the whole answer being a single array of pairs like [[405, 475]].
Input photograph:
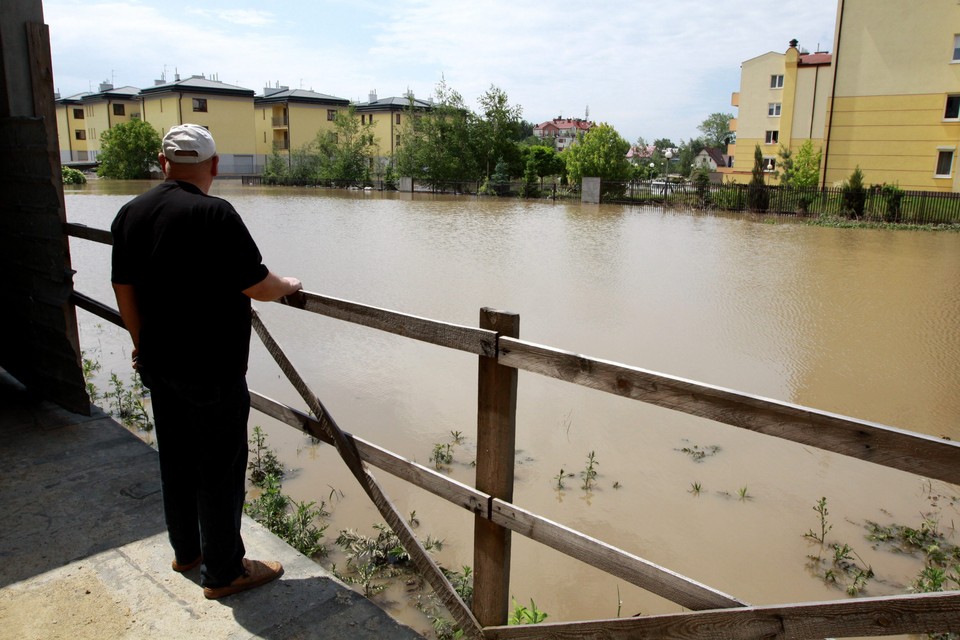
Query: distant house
[[640, 155], [387, 117], [83, 117], [291, 118], [711, 158], [226, 110], [562, 132]]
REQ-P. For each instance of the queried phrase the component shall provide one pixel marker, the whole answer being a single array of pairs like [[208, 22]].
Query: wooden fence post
[[496, 438]]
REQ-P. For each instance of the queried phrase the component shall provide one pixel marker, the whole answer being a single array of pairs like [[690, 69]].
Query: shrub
[[854, 194], [72, 176]]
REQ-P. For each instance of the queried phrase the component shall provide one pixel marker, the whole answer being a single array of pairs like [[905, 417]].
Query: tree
[[436, 146], [344, 155], [716, 130], [128, 151], [758, 198], [601, 153], [543, 162], [854, 194], [497, 131]]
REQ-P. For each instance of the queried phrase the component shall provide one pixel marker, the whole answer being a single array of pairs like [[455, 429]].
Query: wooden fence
[[501, 354]]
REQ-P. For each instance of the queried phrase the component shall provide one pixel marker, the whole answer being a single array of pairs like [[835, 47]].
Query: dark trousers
[[202, 436]]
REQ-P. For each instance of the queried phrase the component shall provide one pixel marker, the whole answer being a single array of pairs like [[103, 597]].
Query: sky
[[650, 69]]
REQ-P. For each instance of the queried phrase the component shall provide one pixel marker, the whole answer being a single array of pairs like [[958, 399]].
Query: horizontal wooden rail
[[97, 308], [672, 586], [453, 336], [642, 573], [916, 453], [88, 233], [436, 483], [885, 616]]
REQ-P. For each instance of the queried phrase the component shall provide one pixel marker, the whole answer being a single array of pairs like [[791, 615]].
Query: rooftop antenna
[[587, 113]]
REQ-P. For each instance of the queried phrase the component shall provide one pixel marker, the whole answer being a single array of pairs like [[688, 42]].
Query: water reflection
[[857, 322]]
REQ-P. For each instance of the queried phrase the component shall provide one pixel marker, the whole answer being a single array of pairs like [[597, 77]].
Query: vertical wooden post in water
[[496, 437]]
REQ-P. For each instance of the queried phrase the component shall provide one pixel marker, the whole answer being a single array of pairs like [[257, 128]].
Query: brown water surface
[[857, 322]]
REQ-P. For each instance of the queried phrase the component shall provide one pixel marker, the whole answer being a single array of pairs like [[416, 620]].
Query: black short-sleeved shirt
[[189, 257]]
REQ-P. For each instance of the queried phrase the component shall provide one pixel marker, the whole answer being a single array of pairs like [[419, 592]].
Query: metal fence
[[874, 204]]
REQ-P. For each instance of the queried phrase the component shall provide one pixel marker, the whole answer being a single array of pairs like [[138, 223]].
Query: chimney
[[794, 43], [105, 86], [373, 95]]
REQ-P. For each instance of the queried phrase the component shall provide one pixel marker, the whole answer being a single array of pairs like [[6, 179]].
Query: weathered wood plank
[[892, 615], [916, 453], [496, 454], [436, 483], [647, 575], [84, 232], [453, 336]]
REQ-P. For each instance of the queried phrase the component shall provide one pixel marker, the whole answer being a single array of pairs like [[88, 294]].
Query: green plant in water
[[264, 462], [589, 474], [90, 369], [744, 495], [825, 527], [292, 521], [372, 561], [695, 488], [524, 615], [560, 477], [457, 437], [698, 454], [442, 455], [126, 404]]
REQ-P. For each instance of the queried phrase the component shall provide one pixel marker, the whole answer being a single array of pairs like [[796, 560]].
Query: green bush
[[854, 194], [72, 176]]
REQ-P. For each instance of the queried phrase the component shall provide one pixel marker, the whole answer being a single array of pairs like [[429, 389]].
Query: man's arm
[[129, 312], [273, 287]]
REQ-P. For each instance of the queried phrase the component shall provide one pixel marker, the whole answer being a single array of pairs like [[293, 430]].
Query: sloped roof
[[300, 95], [565, 123], [124, 93], [811, 59], [199, 84], [398, 102], [715, 154], [75, 98], [638, 152]]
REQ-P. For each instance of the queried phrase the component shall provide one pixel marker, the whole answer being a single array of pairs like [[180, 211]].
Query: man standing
[[184, 271]]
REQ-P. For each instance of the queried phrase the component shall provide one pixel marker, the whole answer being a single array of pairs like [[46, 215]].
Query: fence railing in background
[[917, 207], [713, 613]]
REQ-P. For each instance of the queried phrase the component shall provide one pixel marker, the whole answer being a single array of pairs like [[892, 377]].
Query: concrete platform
[[84, 553]]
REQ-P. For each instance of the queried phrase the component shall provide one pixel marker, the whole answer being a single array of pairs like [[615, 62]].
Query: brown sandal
[[255, 573]]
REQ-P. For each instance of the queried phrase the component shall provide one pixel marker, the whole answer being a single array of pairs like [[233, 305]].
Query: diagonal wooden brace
[[347, 449]]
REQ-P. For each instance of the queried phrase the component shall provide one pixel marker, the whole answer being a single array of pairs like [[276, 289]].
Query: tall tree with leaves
[[543, 161], [758, 198], [800, 169], [601, 153], [497, 131], [716, 130], [128, 151], [345, 154], [436, 146]]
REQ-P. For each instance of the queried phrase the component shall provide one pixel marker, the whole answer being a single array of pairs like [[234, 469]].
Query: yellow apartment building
[[83, 117], [289, 119], [896, 100], [226, 110], [386, 115], [782, 101]]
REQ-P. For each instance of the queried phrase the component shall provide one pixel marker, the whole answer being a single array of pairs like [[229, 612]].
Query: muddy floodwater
[[857, 322]]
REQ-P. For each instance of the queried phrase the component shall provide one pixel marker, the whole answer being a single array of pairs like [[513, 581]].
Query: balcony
[[281, 145], [280, 121], [735, 99]]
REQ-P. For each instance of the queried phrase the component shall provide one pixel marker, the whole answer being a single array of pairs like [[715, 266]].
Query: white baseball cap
[[188, 144]]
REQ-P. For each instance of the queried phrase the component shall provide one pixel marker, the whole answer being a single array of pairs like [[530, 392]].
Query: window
[[363, 118], [80, 134], [78, 114], [776, 82], [398, 119], [119, 110], [769, 164], [944, 163], [331, 114], [773, 137], [729, 161], [370, 119], [773, 109], [200, 104], [956, 48], [397, 144], [952, 111]]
